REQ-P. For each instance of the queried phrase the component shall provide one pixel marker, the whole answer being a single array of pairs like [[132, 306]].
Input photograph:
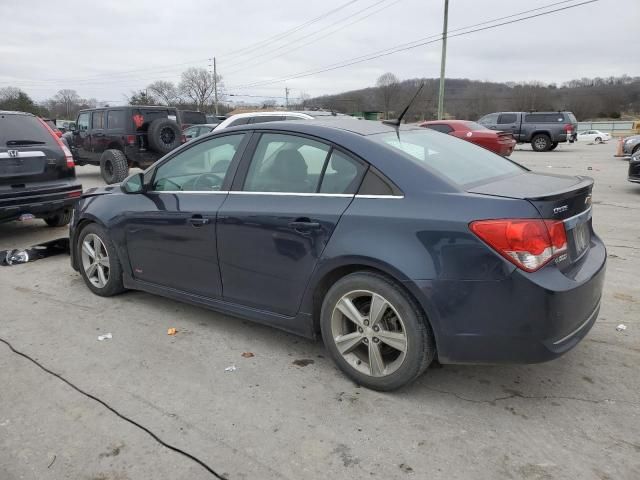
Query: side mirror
[[133, 184]]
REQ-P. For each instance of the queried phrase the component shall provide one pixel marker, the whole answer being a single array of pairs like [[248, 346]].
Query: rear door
[[29, 154], [286, 201], [97, 134]]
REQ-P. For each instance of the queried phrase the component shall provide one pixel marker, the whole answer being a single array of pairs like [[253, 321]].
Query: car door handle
[[304, 224], [198, 221], [98, 134]]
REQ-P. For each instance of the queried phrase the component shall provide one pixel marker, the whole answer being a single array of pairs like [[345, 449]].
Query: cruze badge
[[561, 209]]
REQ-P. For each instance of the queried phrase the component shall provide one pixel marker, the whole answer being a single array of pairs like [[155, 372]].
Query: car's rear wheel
[[553, 146], [541, 143], [375, 332], [598, 140], [99, 264], [59, 219], [114, 167]]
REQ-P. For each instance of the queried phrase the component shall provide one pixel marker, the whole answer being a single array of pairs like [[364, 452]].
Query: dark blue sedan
[[397, 245]]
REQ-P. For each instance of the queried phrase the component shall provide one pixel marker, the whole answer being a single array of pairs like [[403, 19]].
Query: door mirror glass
[[133, 184]]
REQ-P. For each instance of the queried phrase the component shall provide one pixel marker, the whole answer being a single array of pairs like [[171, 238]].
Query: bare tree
[[388, 85], [69, 99], [164, 91], [197, 84]]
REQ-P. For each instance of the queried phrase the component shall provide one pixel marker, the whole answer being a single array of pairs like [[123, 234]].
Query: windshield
[[458, 160]]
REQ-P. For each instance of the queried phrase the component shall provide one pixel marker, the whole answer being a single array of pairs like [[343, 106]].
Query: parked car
[[63, 125], [544, 130], [37, 173], [634, 168], [396, 244], [278, 116], [196, 130], [501, 143], [215, 118], [191, 117], [117, 138], [52, 125], [594, 136], [631, 145]]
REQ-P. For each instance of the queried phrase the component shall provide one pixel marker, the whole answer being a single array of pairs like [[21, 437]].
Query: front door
[[172, 243], [82, 137], [508, 122], [275, 224]]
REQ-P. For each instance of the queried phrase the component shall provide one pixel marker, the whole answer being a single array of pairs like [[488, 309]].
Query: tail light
[[67, 153], [58, 133], [527, 243], [568, 128], [131, 139]]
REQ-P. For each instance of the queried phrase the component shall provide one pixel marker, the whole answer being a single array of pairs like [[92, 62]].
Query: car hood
[[105, 190]]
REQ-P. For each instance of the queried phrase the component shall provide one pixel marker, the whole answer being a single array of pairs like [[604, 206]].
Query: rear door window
[[115, 119], [342, 174], [267, 118], [460, 162], [97, 120]]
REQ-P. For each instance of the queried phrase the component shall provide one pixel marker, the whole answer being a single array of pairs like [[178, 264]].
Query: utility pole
[[443, 61], [286, 96], [215, 86]]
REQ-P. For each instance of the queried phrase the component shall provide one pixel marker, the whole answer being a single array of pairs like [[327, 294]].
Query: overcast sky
[[109, 48]]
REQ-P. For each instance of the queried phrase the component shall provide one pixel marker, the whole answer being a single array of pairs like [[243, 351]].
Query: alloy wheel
[[95, 260], [369, 333]]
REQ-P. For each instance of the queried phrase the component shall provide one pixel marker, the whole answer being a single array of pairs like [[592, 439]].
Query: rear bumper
[[38, 200], [525, 318]]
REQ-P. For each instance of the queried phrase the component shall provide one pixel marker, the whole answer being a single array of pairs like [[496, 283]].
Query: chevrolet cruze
[[396, 245]]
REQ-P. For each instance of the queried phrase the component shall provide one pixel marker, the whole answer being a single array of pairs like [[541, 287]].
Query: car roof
[[118, 107], [268, 114], [447, 122], [348, 124], [13, 112]]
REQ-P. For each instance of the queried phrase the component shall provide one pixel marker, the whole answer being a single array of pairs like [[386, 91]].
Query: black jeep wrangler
[[117, 138]]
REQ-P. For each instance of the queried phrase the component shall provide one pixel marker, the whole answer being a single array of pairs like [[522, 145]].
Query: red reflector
[[527, 243], [568, 128], [131, 139], [74, 194]]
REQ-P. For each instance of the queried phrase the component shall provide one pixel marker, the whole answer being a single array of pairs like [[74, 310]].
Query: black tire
[[60, 219], [163, 135], [114, 284], [114, 167], [553, 146], [635, 150], [598, 140], [541, 142], [420, 344]]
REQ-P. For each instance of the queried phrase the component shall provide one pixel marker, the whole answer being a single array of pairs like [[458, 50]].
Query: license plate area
[[578, 230]]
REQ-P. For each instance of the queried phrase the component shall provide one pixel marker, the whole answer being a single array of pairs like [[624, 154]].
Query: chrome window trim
[[582, 217], [23, 154], [282, 194]]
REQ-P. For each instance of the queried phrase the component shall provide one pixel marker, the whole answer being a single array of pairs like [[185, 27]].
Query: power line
[[306, 37], [406, 46]]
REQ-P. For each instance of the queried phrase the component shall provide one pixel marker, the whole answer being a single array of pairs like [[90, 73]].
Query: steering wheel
[[208, 181]]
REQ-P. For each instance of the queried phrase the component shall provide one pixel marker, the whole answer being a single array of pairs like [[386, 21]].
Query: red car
[[501, 143]]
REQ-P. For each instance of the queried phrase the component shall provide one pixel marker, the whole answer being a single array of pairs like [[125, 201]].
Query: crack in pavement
[[116, 412], [516, 394]]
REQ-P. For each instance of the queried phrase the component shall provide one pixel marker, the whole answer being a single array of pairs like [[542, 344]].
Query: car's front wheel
[[375, 332], [99, 264]]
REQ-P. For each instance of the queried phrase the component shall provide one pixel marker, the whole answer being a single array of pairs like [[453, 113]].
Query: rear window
[[14, 128], [544, 117], [191, 117], [475, 127], [115, 119], [461, 162], [572, 117], [143, 117]]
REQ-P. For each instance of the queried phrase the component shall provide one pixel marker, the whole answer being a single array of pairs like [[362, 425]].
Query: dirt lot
[[273, 417]]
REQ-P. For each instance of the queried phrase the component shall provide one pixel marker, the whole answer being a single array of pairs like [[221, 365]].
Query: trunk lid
[[555, 197]]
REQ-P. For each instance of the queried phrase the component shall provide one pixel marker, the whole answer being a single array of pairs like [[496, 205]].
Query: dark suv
[[117, 138], [544, 130], [37, 173]]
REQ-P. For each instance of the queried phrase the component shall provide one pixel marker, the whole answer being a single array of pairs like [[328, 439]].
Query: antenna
[[397, 121]]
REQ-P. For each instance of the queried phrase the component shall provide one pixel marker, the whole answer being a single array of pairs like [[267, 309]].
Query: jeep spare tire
[[163, 135]]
